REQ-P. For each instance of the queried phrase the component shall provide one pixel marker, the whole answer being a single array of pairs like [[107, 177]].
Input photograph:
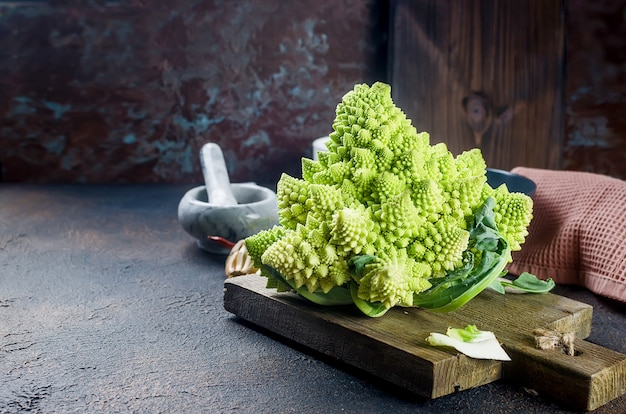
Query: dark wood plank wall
[[539, 83], [483, 73]]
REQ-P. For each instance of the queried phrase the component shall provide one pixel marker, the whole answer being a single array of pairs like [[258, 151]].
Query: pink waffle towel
[[578, 233]]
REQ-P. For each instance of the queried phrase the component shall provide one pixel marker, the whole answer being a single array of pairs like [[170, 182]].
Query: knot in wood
[[477, 107]]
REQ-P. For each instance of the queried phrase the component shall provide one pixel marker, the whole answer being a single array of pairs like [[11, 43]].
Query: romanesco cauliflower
[[384, 194]]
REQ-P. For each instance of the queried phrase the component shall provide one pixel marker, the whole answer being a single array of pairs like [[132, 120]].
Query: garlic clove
[[238, 262]]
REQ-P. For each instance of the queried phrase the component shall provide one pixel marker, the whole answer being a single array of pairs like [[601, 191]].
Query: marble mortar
[[257, 210]]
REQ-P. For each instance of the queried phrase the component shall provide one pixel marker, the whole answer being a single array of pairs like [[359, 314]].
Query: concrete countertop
[[107, 305]]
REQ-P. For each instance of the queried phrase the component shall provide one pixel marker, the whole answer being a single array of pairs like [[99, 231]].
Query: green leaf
[[371, 309], [485, 238], [484, 231], [497, 286], [484, 214], [357, 263], [530, 283], [468, 334]]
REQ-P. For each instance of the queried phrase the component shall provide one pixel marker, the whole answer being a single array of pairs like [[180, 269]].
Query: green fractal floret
[[427, 194], [352, 230], [513, 213], [310, 168], [392, 279], [325, 201], [441, 245], [441, 165], [399, 220], [258, 243], [303, 264], [389, 186], [471, 163], [463, 195], [409, 213], [294, 201]]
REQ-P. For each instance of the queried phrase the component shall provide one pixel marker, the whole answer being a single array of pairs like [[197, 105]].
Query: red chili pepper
[[224, 242]]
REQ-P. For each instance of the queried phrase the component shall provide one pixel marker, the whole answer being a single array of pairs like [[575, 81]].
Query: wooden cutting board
[[393, 347]]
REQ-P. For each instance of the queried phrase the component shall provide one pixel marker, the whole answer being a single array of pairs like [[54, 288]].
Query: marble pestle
[[216, 175]]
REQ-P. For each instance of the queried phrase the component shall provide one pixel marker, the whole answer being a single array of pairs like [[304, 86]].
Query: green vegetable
[[386, 219], [524, 283], [472, 342]]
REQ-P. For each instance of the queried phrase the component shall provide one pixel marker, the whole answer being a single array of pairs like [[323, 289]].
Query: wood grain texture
[[485, 74], [393, 347], [380, 346], [585, 382]]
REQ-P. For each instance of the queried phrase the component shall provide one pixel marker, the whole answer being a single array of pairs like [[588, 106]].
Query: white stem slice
[[486, 346]]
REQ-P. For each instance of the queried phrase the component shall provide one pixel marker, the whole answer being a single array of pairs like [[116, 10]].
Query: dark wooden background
[[128, 91], [483, 73], [538, 83]]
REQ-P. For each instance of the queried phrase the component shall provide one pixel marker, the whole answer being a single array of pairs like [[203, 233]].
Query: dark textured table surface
[[107, 305]]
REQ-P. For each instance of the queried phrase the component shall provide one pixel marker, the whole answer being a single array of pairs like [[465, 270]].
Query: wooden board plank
[[482, 73], [393, 347]]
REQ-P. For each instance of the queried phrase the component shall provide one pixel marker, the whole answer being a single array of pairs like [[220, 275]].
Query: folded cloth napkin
[[578, 233]]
